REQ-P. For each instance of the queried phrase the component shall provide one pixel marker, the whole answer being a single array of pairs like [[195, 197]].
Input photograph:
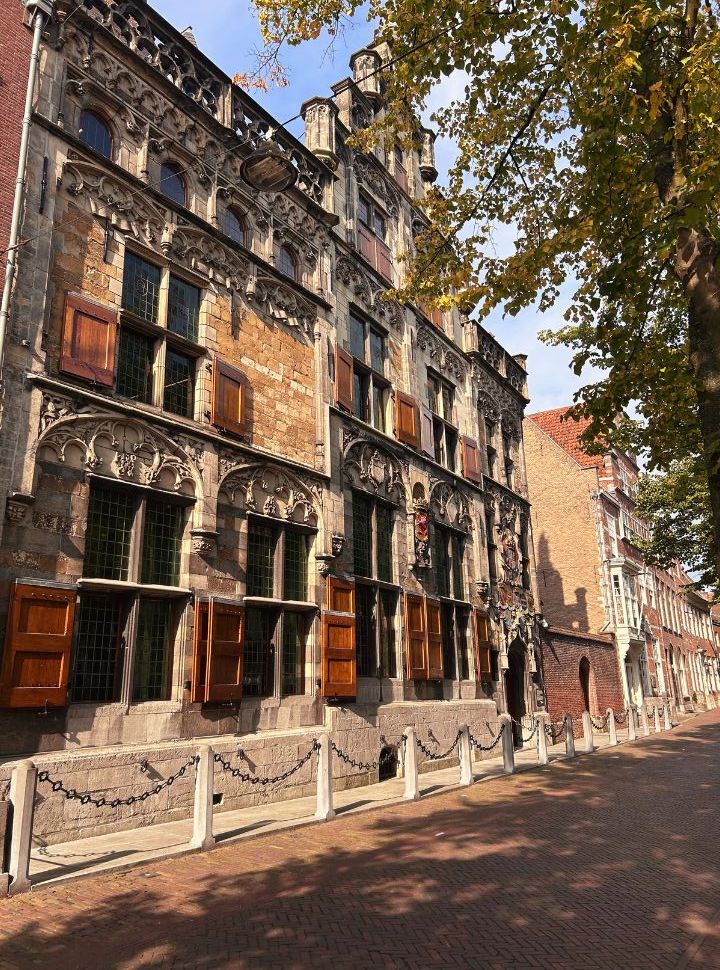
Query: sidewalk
[[117, 851]]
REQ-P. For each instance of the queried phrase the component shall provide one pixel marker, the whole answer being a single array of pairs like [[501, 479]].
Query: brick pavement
[[604, 862]]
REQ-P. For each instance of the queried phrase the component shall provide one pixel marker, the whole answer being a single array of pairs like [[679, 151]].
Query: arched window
[[172, 184], [288, 263], [234, 226], [95, 133]]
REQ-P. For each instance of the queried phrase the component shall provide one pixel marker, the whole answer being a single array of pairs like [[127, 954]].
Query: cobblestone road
[[610, 861]]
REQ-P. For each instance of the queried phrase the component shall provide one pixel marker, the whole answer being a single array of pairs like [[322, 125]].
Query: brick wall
[[562, 651], [14, 62]]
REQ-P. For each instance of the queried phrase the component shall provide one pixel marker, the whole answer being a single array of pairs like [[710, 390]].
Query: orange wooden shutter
[[339, 659], [416, 658], [200, 649], [366, 243], [427, 437], [383, 261], [343, 379], [228, 397], [225, 653], [88, 341], [434, 639], [483, 647], [36, 661], [470, 460], [407, 419], [401, 176]]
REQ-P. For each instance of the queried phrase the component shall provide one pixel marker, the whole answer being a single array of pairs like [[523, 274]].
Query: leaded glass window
[[293, 654], [95, 660], [172, 184], [183, 309], [259, 652], [179, 393], [288, 263], [456, 546], [152, 653], [261, 560], [234, 226], [141, 287], [134, 366], [384, 528], [110, 517], [295, 565], [162, 538], [365, 630], [442, 565], [362, 535], [95, 133], [448, 641]]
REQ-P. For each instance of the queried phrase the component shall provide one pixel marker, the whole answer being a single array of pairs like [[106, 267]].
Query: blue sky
[[227, 31]]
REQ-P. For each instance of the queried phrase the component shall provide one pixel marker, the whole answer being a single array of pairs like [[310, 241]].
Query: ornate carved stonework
[[17, 505], [370, 174], [490, 351], [282, 304], [369, 292], [489, 408], [442, 356], [421, 536], [118, 447], [204, 541], [273, 491], [450, 503], [370, 467]]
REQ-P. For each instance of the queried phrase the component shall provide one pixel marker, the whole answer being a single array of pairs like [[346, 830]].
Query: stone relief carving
[[487, 407], [370, 174], [369, 292], [119, 447], [373, 468], [444, 358], [282, 304], [490, 351], [273, 491], [511, 426], [450, 503]]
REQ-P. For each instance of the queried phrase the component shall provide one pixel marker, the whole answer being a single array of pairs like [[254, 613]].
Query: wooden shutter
[[200, 646], [339, 659], [407, 419], [427, 438], [228, 397], [36, 660], [366, 244], [383, 261], [470, 459], [343, 378], [416, 657], [401, 176], [225, 653], [483, 647], [88, 341], [434, 639]]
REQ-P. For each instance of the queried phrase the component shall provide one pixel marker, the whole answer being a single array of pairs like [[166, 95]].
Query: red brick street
[[610, 861]]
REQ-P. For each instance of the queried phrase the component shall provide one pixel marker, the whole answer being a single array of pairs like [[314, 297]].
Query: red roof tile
[[567, 434]]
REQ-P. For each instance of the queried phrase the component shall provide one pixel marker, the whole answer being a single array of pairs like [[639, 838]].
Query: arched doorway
[[515, 687], [585, 681]]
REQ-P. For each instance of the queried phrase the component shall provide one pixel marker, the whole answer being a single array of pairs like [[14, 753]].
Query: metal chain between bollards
[[266, 780], [383, 759], [552, 733], [486, 747], [522, 726], [437, 756], [621, 718], [85, 798], [601, 724]]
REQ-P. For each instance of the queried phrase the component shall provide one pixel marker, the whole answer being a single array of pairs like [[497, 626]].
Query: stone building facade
[[247, 494], [17, 43], [591, 574]]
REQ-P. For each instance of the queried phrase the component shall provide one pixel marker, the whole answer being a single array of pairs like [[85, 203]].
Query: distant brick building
[[246, 492], [14, 65], [592, 577], [580, 672]]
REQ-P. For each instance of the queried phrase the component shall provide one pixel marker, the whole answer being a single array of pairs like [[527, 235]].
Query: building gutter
[[42, 11]]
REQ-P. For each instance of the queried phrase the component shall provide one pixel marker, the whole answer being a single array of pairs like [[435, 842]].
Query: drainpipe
[[42, 12]]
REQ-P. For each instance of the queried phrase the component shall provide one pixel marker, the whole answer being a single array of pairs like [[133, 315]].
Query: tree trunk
[[697, 265]]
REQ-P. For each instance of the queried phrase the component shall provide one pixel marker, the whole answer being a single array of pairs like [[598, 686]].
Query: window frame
[[175, 171], [99, 117], [453, 607], [373, 385], [231, 212], [444, 428], [291, 253]]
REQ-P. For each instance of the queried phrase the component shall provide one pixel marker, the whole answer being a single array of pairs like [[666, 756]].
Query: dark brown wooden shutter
[[339, 659], [343, 379], [470, 459], [200, 649], [383, 261], [228, 397], [416, 657], [88, 341], [427, 438], [434, 639], [483, 647], [407, 419], [225, 653], [366, 244], [401, 176], [36, 659]]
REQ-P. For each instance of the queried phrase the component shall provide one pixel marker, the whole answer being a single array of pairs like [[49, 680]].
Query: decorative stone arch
[[487, 406], [274, 491], [450, 504], [511, 425], [369, 467]]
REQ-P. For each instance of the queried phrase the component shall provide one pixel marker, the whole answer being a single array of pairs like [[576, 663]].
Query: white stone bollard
[[612, 729], [202, 837], [632, 728], [466, 771], [666, 715], [588, 732], [22, 798], [508, 745], [656, 718], [412, 785], [542, 748], [324, 811], [644, 721], [569, 737]]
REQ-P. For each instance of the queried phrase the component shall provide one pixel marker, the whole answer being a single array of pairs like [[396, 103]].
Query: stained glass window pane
[[295, 565], [152, 651], [293, 654], [179, 391], [384, 524], [95, 654], [134, 368], [161, 543], [261, 560], [258, 669], [95, 133], [362, 524], [141, 287], [183, 309], [110, 517]]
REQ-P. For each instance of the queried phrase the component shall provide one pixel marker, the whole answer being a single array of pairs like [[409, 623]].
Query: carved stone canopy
[[370, 174], [368, 292], [119, 447], [274, 491], [443, 357], [450, 504], [372, 468], [281, 304]]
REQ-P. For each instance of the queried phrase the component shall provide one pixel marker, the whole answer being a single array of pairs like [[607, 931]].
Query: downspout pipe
[[42, 12]]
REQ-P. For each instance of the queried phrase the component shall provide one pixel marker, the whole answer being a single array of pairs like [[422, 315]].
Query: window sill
[[121, 586], [294, 605]]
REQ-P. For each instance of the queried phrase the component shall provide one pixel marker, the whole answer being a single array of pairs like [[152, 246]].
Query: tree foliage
[[593, 130]]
